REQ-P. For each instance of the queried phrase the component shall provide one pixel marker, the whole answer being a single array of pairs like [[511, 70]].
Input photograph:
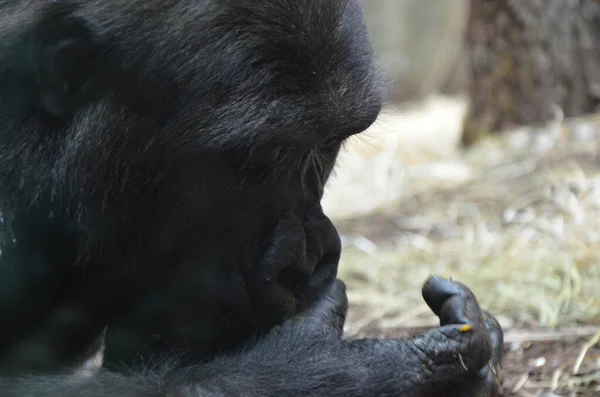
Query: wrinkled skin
[[162, 164]]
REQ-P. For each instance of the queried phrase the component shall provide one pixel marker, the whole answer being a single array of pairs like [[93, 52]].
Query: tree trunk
[[530, 60]]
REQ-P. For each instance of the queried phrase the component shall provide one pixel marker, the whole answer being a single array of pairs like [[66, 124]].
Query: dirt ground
[[516, 218]]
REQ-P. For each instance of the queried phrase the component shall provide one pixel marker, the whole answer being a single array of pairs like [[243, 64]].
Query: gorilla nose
[[302, 256]]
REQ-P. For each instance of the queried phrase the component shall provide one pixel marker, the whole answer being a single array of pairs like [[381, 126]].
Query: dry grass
[[516, 218]]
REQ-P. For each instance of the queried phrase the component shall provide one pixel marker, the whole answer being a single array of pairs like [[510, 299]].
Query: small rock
[[538, 362]]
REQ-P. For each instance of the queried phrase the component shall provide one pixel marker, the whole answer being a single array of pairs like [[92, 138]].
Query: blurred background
[[483, 167]]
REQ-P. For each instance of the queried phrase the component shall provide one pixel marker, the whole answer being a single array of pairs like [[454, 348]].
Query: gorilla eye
[[262, 157], [257, 165]]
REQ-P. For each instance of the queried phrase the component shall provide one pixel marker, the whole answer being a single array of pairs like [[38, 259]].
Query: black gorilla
[[162, 164]]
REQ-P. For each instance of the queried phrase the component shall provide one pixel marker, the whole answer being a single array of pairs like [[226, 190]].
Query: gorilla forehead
[[262, 71]]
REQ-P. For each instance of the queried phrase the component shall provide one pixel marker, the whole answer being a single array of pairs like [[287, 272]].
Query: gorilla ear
[[65, 61]]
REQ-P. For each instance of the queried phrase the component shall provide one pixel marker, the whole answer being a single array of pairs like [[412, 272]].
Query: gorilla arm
[[307, 356]]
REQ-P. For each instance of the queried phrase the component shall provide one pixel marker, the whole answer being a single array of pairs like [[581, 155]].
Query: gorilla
[[162, 165]]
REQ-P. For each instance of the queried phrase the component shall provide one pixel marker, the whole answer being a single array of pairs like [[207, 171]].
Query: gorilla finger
[[464, 327], [327, 314], [453, 302], [488, 382], [497, 336], [494, 368]]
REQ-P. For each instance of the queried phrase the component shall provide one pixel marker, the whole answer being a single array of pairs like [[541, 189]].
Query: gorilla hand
[[460, 358]]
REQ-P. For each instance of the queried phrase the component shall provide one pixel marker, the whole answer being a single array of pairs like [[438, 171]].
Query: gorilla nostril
[[294, 280]]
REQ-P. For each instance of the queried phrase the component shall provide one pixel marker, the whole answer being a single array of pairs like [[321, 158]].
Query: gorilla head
[[148, 148]]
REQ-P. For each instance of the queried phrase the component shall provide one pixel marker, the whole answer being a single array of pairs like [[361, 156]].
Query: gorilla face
[[150, 147]]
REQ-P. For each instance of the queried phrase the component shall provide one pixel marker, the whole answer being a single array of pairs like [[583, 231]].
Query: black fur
[[161, 164]]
